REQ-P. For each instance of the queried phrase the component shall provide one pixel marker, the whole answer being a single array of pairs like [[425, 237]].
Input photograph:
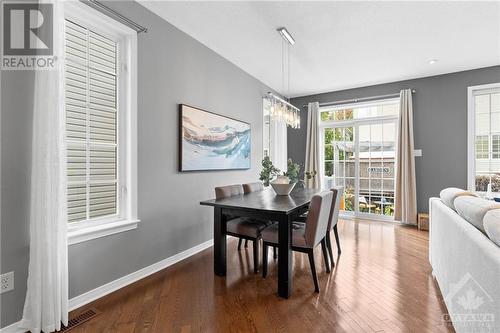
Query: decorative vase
[[281, 185]]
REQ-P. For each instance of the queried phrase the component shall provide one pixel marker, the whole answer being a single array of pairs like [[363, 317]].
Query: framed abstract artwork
[[209, 141]]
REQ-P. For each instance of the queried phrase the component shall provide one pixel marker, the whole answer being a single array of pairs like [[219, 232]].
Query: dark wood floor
[[381, 283]]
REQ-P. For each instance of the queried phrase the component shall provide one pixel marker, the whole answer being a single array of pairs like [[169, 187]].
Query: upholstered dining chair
[[252, 187], [249, 188], [338, 195], [242, 227], [305, 237]]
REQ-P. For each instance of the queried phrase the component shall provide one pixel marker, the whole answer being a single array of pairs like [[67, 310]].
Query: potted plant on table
[[269, 171], [292, 171], [282, 184]]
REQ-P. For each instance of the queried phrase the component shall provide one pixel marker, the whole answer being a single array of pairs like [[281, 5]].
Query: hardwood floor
[[381, 283]]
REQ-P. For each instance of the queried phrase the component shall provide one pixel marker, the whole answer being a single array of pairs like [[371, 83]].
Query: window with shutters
[[100, 118], [91, 121]]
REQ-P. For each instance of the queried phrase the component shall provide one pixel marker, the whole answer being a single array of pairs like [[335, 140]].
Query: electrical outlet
[[6, 282]]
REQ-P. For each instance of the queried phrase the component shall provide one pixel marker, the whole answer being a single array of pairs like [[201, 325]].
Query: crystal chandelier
[[280, 108]]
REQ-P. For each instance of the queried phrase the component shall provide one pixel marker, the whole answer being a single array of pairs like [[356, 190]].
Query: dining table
[[262, 205]]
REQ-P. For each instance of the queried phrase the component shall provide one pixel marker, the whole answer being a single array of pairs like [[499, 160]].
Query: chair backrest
[[228, 191], [317, 218], [338, 196], [253, 187]]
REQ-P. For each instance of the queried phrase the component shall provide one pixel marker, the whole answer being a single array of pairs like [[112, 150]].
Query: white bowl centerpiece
[[284, 183], [282, 186]]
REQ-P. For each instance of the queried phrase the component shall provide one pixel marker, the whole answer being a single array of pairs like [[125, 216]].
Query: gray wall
[[439, 121], [173, 68]]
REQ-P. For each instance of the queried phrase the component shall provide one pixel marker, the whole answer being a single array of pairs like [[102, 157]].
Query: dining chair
[[242, 227], [338, 196], [249, 188], [252, 187], [305, 237]]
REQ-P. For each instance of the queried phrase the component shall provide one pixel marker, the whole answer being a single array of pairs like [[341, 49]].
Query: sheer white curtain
[[46, 304], [406, 188], [312, 146], [278, 142]]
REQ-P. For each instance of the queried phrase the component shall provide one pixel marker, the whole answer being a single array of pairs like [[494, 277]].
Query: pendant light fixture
[[280, 107]]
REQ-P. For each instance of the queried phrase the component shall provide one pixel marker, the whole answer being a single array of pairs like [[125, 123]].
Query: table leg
[[219, 242], [285, 257]]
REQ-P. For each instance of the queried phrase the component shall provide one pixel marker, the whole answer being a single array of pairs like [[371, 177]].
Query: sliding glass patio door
[[376, 158], [358, 153], [339, 162]]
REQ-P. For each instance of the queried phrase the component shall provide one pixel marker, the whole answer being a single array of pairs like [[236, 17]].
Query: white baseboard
[[124, 281], [14, 328]]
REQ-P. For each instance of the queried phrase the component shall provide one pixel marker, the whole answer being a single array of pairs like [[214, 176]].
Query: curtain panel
[[278, 142], [312, 160], [406, 188], [46, 303]]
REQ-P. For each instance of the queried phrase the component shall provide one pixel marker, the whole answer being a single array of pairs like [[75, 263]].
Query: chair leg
[[264, 259], [313, 270], [256, 256], [275, 254], [239, 244], [328, 242], [325, 255], [246, 243], [337, 238]]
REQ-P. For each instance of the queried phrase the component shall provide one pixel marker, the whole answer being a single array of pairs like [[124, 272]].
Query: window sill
[[92, 232]]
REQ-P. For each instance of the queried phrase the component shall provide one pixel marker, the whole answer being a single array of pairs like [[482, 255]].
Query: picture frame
[[212, 142]]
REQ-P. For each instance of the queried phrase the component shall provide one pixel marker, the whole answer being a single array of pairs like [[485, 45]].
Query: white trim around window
[[471, 130], [126, 218]]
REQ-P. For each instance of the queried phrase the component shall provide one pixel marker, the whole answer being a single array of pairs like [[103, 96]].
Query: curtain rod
[[282, 101], [355, 100], [114, 15]]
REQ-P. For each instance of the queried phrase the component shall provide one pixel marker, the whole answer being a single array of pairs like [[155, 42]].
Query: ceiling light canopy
[[432, 61], [286, 35]]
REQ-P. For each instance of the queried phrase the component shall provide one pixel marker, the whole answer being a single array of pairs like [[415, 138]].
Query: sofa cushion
[[448, 195], [491, 224], [473, 209]]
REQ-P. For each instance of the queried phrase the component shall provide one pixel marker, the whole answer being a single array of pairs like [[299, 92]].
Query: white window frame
[[126, 218], [471, 131], [493, 152], [475, 147], [355, 123]]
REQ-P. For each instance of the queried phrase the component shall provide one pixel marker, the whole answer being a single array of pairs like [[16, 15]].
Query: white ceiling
[[342, 45]]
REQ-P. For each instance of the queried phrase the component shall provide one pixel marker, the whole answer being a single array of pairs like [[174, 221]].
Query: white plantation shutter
[[91, 120]]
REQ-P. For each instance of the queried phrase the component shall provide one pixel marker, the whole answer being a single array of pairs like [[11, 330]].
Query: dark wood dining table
[[264, 205]]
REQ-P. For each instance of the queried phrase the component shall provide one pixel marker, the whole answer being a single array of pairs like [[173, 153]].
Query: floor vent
[[80, 319]]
